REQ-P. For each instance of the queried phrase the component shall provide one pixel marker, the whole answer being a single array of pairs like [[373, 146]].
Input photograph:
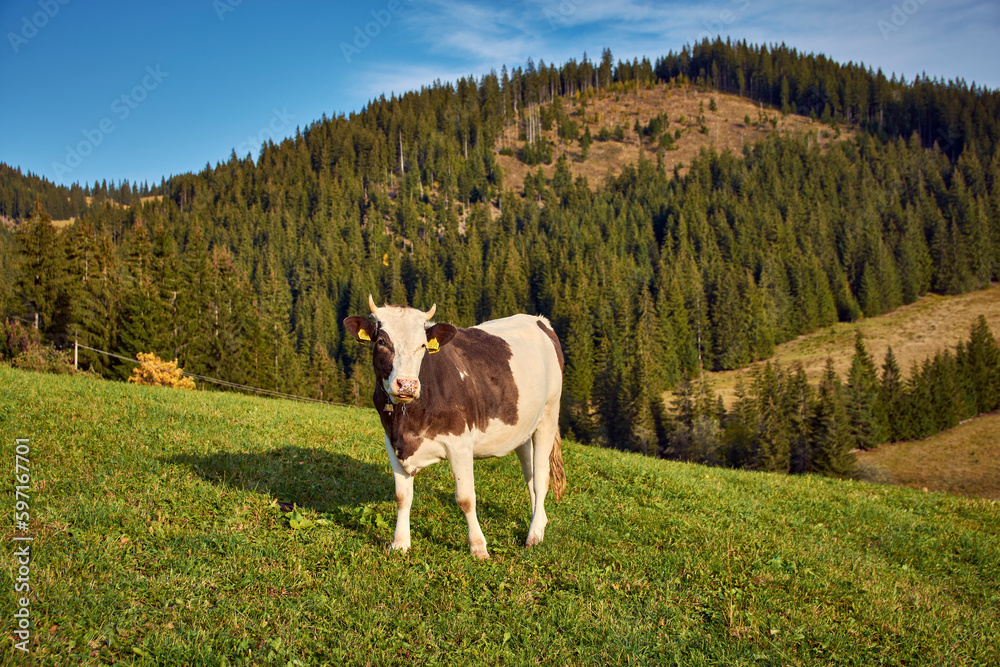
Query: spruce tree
[[646, 378], [42, 283], [892, 398], [983, 366], [798, 401], [830, 435], [865, 416], [772, 450]]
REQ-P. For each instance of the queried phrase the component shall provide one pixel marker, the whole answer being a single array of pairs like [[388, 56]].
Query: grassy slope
[[158, 532], [964, 460], [915, 332]]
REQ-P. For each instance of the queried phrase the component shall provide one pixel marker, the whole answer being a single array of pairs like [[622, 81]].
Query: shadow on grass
[[310, 478], [339, 487]]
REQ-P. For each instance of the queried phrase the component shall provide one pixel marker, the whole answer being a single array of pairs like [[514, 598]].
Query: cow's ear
[[360, 327], [439, 335]]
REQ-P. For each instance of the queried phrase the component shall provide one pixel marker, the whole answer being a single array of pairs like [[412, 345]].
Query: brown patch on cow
[[555, 342], [465, 504], [399, 500], [450, 404], [383, 356]]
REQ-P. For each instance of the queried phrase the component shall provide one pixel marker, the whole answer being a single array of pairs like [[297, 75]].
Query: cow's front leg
[[465, 495], [404, 498]]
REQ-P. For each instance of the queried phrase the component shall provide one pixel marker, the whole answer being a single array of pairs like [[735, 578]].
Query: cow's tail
[[557, 474]]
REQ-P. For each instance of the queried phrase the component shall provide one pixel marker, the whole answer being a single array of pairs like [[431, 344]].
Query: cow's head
[[401, 336]]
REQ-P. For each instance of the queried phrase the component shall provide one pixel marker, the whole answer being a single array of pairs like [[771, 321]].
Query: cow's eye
[[380, 343]]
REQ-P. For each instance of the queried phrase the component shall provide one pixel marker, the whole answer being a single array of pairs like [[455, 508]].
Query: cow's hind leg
[[524, 454], [404, 498], [543, 440], [465, 495]]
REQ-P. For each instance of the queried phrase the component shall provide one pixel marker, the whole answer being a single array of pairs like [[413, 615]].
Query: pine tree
[[830, 430], [730, 324], [145, 320], [772, 446], [610, 396], [276, 366], [42, 284], [983, 367], [798, 401], [579, 375], [892, 397], [946, 405], [864, 413], [919, 421], [194, 307], [648, 383], [586, 141], [98, 312]]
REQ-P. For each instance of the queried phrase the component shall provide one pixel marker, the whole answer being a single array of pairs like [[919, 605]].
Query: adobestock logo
[[122, 107], [726, 17], [37, 21], [280, 121], [223, 7], [899, 16], [363, 37]]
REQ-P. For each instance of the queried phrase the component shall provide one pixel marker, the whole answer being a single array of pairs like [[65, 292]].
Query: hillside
[[682, 105], [964, 460], [915, 332], [161, 537]]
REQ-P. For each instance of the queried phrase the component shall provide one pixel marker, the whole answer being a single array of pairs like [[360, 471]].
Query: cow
[[445, 392]]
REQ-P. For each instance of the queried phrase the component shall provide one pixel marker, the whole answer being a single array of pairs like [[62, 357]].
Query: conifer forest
[[245, 270]]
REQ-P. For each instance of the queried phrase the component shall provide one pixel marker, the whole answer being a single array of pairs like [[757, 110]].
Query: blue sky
[[141, 90]]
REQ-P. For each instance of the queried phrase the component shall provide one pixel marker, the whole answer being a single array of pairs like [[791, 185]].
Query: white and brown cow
[[461, 394]]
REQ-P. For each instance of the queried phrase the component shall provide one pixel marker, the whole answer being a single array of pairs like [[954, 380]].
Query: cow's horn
[[430, 313], [371, 303]]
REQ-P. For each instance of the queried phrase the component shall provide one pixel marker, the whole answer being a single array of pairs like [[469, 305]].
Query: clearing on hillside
[[726, 130]]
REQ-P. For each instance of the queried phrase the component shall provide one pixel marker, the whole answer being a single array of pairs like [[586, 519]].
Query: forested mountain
[[19, 192], [245, 270]]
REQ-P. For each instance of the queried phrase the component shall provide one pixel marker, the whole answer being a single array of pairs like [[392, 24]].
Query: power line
[[226, 383]]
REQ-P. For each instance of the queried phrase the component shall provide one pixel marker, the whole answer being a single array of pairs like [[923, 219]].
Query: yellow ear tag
[[363, 335], [433, 346]]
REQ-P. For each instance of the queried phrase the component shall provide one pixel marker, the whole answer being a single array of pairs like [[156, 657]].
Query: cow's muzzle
[[404, 390]]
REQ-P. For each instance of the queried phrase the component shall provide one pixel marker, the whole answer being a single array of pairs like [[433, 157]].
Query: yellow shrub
[[156, 372]]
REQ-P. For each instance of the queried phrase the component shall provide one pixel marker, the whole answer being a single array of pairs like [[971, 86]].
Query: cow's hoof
[[400, 546], [533, 540], [479, 551]]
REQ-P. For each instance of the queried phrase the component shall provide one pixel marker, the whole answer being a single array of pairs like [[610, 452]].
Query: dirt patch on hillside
[[726, 128]]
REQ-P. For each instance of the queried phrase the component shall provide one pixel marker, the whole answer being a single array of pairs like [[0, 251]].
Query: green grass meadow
[[163, 536]]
